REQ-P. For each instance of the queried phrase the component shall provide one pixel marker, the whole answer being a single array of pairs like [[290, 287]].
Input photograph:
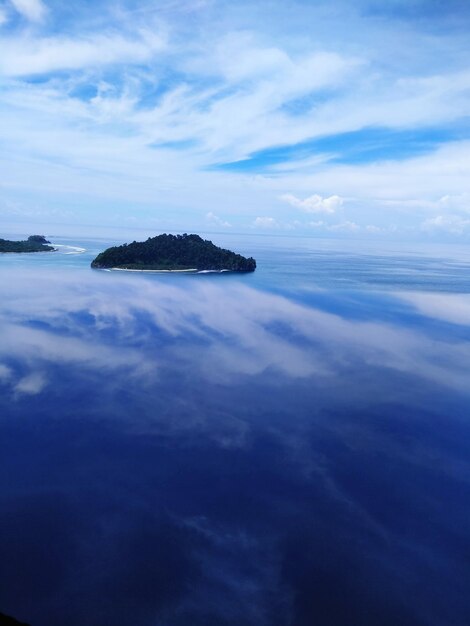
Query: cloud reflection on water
[[107, 324], [205, 453]]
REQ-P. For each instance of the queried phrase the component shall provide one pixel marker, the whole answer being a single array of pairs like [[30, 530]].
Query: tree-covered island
[[34, 243], [173, 253]]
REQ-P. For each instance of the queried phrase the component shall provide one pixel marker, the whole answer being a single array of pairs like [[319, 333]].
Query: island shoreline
[[125, 269], [167, 253], [186, 271]]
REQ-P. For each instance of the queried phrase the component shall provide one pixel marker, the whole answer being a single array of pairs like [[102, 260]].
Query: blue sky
[[333, 118]]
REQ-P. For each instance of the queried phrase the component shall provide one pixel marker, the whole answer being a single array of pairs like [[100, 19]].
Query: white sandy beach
[[188, 271], [73, 249], [123, 269]]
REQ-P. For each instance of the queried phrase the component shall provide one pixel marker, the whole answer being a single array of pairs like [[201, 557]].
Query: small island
[[173, 253], [34, 243]]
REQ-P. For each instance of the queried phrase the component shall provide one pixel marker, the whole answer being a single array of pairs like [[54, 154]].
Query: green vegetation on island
[[34, 243], [173, 253]]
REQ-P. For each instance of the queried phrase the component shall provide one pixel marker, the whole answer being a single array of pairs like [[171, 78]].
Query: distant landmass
[[173, 253], [34, 243]]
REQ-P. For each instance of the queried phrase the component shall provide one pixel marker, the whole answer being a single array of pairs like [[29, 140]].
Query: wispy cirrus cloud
[[28, 56]]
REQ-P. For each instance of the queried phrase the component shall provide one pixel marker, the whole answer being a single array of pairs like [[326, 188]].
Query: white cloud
[[347, 226], [240, 57], [315, 203], [26, 56], [460, 202], [33, 10], [410, 186], [452, 224], [31, 385], [266, 222], [218, 221], [236, 89]]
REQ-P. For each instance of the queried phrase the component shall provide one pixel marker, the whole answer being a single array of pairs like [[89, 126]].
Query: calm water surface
[[289, 447]]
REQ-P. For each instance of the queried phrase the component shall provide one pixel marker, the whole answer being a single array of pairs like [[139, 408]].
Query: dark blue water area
[[178, 451]]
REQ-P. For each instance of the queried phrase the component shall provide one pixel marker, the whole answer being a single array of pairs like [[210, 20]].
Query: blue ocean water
[[289, 447]]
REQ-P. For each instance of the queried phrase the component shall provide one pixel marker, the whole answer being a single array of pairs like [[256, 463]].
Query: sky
[[328, 119]]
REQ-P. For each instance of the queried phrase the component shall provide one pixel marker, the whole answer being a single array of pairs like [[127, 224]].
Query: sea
[[288, 447]]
